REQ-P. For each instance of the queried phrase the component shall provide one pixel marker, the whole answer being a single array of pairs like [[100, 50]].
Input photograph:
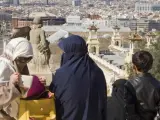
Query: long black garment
[[79, 84]]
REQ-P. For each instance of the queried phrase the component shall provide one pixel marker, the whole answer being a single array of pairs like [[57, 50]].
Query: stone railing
[[108, 65], [111, 72], [124, 50]]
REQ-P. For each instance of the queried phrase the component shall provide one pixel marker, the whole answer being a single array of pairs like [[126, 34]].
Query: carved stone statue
[[40, 61]]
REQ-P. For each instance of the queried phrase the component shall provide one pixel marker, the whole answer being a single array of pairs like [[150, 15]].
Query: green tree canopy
[[155, 51]]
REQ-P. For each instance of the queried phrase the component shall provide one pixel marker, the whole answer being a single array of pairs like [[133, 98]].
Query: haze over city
[[100, 42]]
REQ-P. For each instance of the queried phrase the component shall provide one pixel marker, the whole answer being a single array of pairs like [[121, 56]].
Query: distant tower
[[46, 2], [150, 38], [134, 36], [107, 1], [128, 59], [69, 2], [15, 2], [109, 19], [93, 42], [76, 2], [6, 1], [116, 38]]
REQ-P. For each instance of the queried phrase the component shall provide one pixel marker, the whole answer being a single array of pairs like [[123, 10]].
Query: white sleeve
[[5, 72]]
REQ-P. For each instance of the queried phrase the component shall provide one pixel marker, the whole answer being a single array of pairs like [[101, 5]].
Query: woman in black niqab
[[79, 85]]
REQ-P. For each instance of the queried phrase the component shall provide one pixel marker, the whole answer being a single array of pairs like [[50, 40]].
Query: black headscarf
[[79, 84]]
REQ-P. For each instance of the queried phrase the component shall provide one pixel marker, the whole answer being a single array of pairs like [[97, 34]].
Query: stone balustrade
[[111, 72], [108, 65], [124, 50]]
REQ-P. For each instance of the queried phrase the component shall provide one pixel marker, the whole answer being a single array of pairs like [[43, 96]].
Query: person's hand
[[42, 80], [15, 78], [50, 94]]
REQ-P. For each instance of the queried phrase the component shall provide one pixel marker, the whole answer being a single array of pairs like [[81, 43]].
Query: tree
[[129, 70], [155, 51], [140, 45]]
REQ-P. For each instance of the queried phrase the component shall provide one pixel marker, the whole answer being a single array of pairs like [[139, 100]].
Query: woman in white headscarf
[[13, 61]]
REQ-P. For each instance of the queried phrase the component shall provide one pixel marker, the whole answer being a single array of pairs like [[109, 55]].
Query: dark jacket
[[114, 109], [148, 94], [122, 104]]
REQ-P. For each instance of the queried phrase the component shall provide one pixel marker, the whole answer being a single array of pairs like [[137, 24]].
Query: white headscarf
[[18, 47]]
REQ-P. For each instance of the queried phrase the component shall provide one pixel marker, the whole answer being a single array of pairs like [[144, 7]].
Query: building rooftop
[[117, 58], [40, 14], [81, 28]]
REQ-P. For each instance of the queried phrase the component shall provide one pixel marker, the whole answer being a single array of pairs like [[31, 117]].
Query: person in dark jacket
[[122, 105], [79, 85], [146, 86], [115, 103]]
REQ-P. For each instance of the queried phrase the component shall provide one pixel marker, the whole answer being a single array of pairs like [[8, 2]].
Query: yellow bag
[[42, 109]]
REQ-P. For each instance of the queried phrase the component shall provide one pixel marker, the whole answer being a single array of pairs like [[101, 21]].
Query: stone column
[[148, 41], [97, 50], [131, 47], [120, 43], [4, 44]]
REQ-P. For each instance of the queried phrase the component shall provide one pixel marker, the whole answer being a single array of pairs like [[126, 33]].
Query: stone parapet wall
[[111, 72], [108, 65]]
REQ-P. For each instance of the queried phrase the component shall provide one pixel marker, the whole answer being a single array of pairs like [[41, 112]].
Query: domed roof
[[106, 36]]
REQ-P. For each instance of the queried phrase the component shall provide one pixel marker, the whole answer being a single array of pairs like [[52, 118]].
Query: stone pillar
[[97, 50], [131, 47], [148, 42], [89, 48], [93, 39], [4, 44], [120, 43], [128, 61]]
